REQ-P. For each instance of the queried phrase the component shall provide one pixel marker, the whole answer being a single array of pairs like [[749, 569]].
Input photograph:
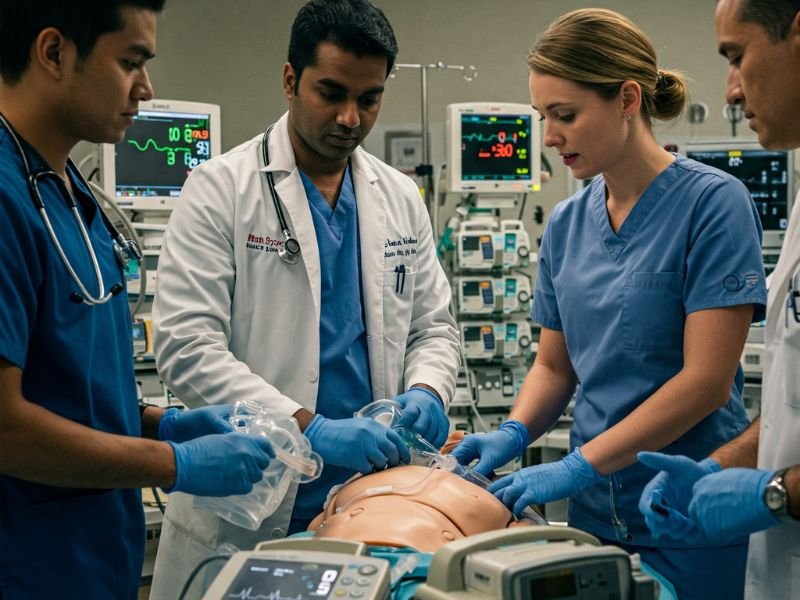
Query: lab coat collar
[[282, 160], [281, 153]]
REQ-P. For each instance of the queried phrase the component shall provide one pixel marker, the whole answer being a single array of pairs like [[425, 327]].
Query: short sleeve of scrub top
[[19, 275]]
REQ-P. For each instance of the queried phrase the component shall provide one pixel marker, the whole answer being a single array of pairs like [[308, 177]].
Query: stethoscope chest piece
[[290, 251]]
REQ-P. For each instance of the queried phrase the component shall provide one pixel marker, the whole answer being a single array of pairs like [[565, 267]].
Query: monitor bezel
[[772, 238], [159, 203], [456, 184]]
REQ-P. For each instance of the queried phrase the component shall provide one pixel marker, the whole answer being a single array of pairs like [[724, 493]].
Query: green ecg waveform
[[151, 141], [471, 137]]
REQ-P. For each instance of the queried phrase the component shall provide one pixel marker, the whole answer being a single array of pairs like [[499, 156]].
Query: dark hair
[[356, 26], [600, 49], [81, 21], [775, 16]]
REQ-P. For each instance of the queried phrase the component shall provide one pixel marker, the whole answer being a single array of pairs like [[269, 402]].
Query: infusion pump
[[486, 340], [482, 295], [486, 244]]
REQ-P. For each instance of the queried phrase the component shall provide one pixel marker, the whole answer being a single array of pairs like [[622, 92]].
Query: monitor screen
[[493, 147], [767, 174], [147, 169], [267, 578]]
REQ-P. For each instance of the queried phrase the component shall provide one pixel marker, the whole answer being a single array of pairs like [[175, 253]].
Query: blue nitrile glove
[[184, 425], [665, 499], [222, 464], [493, 449], [423, 413], [545, 483], [730, 504], [359, 444]]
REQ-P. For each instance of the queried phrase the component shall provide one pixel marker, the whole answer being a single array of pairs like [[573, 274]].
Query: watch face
[[775, 496]]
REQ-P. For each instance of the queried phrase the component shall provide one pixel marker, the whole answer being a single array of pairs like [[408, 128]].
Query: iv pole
[[425, 170]]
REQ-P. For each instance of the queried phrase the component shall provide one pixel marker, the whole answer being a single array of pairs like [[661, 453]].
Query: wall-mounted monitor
[[767, 174], [493, 147], [169, 138]]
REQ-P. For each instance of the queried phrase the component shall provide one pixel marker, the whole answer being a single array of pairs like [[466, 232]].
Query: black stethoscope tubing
[[290, 250], [124, 249]]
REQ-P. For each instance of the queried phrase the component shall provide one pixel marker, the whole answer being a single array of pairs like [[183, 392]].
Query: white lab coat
[[773, 564], [232, 321]]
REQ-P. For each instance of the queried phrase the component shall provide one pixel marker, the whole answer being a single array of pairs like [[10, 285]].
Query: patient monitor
[[410, 505], [535, 563], [302, 568]]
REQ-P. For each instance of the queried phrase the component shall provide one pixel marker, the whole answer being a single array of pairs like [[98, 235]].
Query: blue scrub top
[[344, 380], [691, 242], [76, 362]]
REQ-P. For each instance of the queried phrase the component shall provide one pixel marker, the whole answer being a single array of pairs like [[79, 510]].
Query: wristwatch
[[777, 498]]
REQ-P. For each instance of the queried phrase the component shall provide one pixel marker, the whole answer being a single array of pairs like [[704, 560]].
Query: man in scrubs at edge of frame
[[754, 482], [363, 312], [72, 453]]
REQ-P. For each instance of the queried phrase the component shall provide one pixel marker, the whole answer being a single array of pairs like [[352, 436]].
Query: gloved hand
[[222, 464], [359, 444], [182, 426], [493, 449], [665, 499], [544, 483], [730, 504], [424, 414]]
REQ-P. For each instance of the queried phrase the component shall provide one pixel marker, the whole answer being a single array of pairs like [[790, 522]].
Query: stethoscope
[[124, 249], [290, 250]]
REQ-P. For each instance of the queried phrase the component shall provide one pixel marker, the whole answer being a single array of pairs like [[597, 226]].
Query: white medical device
[[485, 340], [493, 148], [146, 170], [497, 386], [481, 295], [484, 244], [140, 335], [303, 568], [535, 563]]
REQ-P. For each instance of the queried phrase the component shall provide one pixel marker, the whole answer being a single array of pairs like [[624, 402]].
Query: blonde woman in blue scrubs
[[648, 281]]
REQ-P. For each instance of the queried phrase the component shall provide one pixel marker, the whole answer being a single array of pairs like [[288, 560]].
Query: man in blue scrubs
[[72, 458]]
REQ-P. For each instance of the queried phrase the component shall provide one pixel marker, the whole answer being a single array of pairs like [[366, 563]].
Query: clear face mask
[[423, 453]]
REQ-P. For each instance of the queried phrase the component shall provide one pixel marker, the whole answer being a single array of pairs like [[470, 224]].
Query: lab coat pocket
[[652, 311], [398, 299]]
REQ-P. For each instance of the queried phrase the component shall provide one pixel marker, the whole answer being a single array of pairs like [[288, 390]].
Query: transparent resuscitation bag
[[294, 461]]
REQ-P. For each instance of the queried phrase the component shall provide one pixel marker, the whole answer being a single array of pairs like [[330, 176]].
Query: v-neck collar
[[335, 217], [616, 242]]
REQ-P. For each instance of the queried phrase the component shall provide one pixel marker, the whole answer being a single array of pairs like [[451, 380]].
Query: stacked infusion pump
[[493, 161], [493, 298]]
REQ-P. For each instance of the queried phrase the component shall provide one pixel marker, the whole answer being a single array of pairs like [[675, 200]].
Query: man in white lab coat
[[362, 313], [761, 41]]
